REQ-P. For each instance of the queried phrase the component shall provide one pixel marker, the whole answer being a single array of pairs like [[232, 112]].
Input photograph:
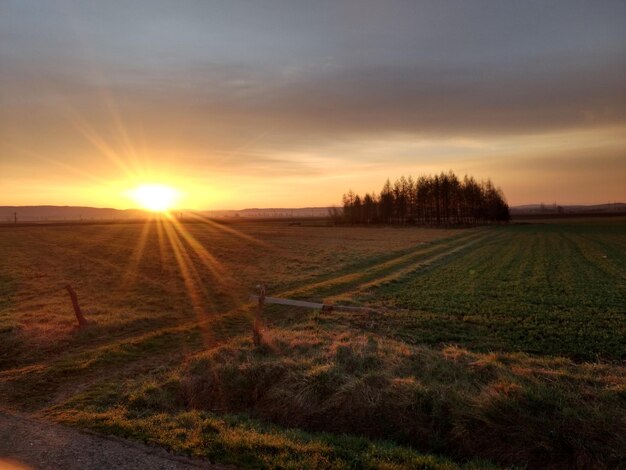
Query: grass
[[501, 344], [248, 443], [511, 408], [546, 289]]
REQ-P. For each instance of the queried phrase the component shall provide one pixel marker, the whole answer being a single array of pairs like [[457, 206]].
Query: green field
[[551, 289], [500, 345]]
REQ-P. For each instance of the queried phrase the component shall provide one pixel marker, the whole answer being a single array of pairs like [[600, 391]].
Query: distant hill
[[59, 213], [541, 209], [270, 213], [73, 213]]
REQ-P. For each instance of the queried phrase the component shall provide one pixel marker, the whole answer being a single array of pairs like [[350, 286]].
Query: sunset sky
[[291, 103]]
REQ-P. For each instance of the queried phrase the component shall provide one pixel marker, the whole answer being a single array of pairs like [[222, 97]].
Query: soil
[[28, 442]]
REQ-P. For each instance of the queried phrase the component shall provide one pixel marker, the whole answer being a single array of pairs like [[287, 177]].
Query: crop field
[[490, 347]]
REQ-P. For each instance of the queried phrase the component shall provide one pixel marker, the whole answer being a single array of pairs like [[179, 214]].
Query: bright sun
[[155, 197]]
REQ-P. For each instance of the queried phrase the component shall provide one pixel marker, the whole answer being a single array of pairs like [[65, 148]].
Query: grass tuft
[[510, 408]]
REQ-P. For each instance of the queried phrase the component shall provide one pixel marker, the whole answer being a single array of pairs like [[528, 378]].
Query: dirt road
[[31, 443]]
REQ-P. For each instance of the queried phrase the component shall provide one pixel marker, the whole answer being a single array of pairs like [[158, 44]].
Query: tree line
[[441, 199]]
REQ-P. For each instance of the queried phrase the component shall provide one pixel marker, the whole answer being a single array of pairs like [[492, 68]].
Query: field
[[492, 346]]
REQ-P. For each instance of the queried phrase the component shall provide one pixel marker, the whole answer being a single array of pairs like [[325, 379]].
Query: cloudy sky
[[291, 103]]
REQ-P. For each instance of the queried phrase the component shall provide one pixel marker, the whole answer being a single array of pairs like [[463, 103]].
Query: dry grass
[[129, 281], [148, 317], [511, 408], [459, 371]]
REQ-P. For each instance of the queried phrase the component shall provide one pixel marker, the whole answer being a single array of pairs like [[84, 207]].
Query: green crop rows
[[539, 288]]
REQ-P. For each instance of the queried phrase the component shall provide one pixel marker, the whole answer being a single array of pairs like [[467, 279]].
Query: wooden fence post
[[79, 314], [258, 318]]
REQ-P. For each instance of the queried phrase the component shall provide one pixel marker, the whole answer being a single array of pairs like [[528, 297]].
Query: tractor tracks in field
[[344, 286], [204, 332], [405, 271]]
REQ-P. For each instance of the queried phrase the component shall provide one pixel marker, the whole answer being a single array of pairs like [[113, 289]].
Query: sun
[[155, 197]]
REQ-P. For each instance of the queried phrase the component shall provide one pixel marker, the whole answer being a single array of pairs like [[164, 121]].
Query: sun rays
[[167, 254], [210, 287]]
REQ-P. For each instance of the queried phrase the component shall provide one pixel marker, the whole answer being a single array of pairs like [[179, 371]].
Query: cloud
[[341, 93], [217, 102], [219, 78]]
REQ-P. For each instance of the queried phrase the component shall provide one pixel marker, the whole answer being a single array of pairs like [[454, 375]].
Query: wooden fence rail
[[313, 305], [261, 299]]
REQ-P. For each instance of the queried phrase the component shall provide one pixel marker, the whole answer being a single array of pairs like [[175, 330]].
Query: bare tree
[[439, 199]]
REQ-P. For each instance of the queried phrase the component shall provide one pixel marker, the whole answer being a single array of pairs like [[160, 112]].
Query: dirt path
[[31, 443]]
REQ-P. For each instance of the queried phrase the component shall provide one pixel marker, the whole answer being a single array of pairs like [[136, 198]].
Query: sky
[[291, 103]]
